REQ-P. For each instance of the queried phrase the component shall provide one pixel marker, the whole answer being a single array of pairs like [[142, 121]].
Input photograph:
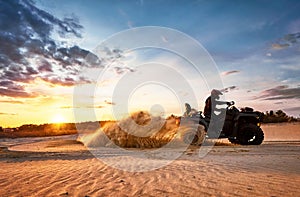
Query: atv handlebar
[[230, 103]]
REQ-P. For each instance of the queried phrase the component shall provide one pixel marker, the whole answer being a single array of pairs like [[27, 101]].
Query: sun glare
[[58, 118]]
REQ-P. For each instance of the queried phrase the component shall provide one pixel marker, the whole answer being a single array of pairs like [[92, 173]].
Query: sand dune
[[60, 166]]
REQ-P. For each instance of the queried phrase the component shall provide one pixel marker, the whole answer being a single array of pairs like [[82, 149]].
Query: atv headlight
[[258, 124]]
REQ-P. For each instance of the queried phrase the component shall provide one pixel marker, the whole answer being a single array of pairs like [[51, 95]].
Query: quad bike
[[240, 127]]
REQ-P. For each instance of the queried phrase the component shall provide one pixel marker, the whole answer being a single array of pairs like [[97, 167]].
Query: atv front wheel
[[190, 137], [250, 134], [201, 132], [195, 137], [233, 140]]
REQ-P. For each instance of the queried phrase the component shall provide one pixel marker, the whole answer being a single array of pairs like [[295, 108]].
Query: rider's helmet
[[215, 92]]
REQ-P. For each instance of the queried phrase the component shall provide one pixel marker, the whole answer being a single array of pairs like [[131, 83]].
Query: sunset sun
[[58, 118]]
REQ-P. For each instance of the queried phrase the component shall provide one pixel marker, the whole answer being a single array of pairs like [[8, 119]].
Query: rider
[[212, 101], [209, 112]]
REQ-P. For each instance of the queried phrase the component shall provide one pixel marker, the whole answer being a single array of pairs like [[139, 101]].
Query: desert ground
[[62, 166]]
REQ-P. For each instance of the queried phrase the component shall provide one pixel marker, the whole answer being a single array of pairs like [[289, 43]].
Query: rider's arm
[[222, 102]]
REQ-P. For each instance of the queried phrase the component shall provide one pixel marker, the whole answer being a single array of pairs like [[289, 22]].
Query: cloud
[[11, 85], [45, 66], [286, 41], [16, 93], [114, 58], [225, 73], [295, 111], [280, 92], [76, 107], [61, 81], [293, 108], [11, 114], [58, 81], [67, 107], [292, 38], [24, 26], [269, 54], [228, 89], [109, 102], [98, 106], [279, 103], [11, 89], [277, 46], [31, 71], [120, 70], [11, 101], [28, 51], [292, 67]]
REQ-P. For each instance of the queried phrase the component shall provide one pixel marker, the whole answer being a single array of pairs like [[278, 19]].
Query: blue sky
[[255, 45], [243, 36], [219, 25]]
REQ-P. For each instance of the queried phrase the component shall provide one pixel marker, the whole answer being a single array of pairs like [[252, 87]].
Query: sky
[[54, 66]]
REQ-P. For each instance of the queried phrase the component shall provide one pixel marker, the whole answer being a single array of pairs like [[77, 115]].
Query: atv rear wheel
[[250, 134]]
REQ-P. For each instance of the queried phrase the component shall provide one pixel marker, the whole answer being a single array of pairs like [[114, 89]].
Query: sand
[[61, 166]]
